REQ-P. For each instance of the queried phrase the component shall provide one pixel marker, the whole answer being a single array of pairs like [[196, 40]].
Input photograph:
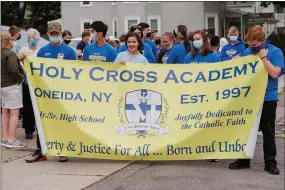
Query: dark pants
[[28, 111], [267, 126], [38, 142]]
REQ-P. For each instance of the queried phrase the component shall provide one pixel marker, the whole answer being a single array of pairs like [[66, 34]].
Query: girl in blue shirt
[[179, 51], [201, 52]]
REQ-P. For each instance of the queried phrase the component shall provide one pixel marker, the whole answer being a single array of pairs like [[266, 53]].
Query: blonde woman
[[12, 77]]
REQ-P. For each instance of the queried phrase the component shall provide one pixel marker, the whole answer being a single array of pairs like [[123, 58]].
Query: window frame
[[82, 21], [113, 25], [127, 18], [155, 17], [216, 20], [82, 5]]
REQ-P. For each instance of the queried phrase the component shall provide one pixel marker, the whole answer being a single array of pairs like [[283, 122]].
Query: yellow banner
[[148, 112]]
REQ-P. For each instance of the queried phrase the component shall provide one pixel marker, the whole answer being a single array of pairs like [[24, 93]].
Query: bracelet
[[263, 57]]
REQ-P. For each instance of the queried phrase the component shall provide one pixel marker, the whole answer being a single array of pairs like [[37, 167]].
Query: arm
[[113, 55], [223, 56], [73, 55], [13, 68], [85, 56], [273, 66], [118, 58], [149, 54], [171, 57], [187, 59]]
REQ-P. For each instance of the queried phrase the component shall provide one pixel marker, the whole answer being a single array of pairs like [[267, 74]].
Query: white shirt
[[132, 58], [27, 51]]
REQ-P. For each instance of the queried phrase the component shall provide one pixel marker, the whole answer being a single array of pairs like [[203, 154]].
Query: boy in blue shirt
[[56, 49], [99, 51], [272, 58], [234, 47]]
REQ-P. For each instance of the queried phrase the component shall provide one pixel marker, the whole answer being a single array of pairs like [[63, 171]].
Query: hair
[[152, 36], [99, 26], [206, 46], [133, 34], [123, 38], [134, 27], [181, 32], [5, 39], [190, 34], [169, 34], [13, 30], [65, 33], [85, 33], [112, 43], [143, 26], [215, 41], [34, 32], [234, 29], [255, 33]]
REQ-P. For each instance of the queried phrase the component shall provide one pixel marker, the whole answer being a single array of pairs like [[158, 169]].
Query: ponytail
[[187, 45]]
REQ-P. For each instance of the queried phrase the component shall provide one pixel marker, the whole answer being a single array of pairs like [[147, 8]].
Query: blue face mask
[[54, 40], [256, 49], [32, 42], [198, 44], [233, 38], [94, 38]]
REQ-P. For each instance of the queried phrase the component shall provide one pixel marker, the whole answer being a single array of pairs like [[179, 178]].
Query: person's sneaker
[[272, 169], [239, 164], [4, 142], [62, 158], [213, 160], [29, 136], [15, 144], [36, 156]]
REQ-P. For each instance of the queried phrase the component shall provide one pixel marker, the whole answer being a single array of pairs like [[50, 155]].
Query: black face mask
[[19, 37], [67, 41], [157, 41], [148, 34]]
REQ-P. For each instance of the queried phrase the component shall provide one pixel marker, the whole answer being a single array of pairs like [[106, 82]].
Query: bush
[[276, 41]]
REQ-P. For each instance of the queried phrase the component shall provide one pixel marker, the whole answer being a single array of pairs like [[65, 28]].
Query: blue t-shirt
[[177, 54], [105, 53], [212, 57], [275, 56], [152, 46], [57, 52], [231, 50], [146, 52]]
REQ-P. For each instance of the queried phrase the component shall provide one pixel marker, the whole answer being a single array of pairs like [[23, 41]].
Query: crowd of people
[[139, 45]]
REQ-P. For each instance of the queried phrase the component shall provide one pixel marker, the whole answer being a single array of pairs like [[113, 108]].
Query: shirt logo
[[231, 52], [46, 54], [97, 58]]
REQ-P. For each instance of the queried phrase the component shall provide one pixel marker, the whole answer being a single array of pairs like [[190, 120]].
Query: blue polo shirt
[[275, 56], [212, 57]]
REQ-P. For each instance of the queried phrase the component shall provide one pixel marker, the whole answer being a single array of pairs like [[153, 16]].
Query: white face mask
[[122, 43]]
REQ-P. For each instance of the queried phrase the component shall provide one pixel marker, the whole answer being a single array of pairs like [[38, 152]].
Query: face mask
[[233, 38], [198, 44], [32, 42], [94, 38], [19, 37], [122, 43], [157, 41], [148, 34], [256, 50], [54, 40], [67, 41]]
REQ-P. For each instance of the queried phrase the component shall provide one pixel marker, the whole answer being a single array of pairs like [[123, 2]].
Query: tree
[[276, 41], [266, 3], [37, 13]]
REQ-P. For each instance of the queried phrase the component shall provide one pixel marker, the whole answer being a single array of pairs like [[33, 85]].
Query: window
[[154, 23], [129, 21], [114, 2], [115, 27], [85, 25], [85, 4], [212, 24], [130, 2]]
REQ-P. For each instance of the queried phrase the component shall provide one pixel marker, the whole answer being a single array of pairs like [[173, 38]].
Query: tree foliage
[[37, 13]]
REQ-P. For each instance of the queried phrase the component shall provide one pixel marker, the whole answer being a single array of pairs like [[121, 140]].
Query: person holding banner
[[56, 49], [201, 52], [234, 47], [12, 77], [146, 50], [28, 111], [273, 61], [134, 53], [179, 51], [99, 50]]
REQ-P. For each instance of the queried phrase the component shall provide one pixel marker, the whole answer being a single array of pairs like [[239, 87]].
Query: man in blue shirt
[[56, 49], [234, 47], [99, 50], [272, 59]]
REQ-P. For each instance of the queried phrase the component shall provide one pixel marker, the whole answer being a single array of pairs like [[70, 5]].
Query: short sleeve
[[172, 56], [277, 59], [85, 54], [118, 58]]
